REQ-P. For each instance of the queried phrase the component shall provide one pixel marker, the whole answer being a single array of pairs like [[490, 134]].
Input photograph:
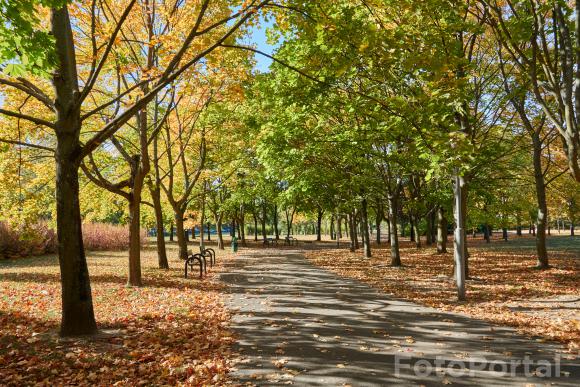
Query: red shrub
[[104, 236], [39, 239], [36, 239]]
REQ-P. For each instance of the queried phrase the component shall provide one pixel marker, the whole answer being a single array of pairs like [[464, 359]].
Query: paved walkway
[[302, 325]]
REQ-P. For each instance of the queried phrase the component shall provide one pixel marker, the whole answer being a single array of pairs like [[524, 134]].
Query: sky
[[258, 38]]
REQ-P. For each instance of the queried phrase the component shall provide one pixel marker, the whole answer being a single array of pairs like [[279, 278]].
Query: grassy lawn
[[504, 288], [172, 330]]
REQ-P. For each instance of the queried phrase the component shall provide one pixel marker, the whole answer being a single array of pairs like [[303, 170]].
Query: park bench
[[290, 240], [270, 241]]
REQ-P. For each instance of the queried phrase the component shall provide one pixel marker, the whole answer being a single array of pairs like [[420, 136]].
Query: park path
[[302, 325]]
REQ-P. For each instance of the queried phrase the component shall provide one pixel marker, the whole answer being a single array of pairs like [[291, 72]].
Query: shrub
[[103, 236], [23, 241], [39, 239]]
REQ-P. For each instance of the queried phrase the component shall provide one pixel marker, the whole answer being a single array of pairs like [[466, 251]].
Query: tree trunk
[[181, 242], [134, 232], [459, 237], [208, 231], [275, 221], [504, 232], [255, 227], [486, 236], [161, 250], [171, 232], [394, 238], [78, 317], [220, 236], [77, 305], [378, 221], [354, 231], [352, 246], [319, 225], [388, 230], [365, 230], [441, 231], [412, 233], [542, 262], [417, 221]]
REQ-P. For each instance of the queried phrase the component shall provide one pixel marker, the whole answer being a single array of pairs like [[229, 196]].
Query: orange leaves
[[504, 287], [171, 331]]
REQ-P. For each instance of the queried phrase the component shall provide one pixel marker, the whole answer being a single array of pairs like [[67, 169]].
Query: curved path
[[300, 324]]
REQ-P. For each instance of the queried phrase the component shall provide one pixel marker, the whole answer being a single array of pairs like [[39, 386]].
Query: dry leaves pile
[[504, 288], [171, 331]]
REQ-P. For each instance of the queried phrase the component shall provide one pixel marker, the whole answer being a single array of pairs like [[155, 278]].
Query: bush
[[23, 241], [103, 236], [39, 239]]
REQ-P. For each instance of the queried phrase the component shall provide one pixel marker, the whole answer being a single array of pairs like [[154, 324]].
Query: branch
[[37, 121], [95, 74], [14, 142]]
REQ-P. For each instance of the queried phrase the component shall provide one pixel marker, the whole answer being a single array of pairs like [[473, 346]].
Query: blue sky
[[258, 38]]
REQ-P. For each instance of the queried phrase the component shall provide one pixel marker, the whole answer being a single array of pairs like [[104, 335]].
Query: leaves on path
[[171, 331], [504, 289]]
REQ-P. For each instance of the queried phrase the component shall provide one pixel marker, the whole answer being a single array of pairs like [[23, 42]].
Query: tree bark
[[255, 227], [181, 242], [161, 249], [394, 238], [77, 305], [352, 246], [319, 224], [218, 222], [378, 221], [542, 261], [441, 231], [459, 237], [78, 317], [365, 230], [275, 221]]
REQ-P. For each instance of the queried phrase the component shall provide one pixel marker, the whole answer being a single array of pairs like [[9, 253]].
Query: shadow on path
[[299, 324]]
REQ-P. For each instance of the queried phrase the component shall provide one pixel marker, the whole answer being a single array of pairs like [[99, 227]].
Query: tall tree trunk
[[242, 226], [319, 224], [354, 230], [208, 231], [417, 221], [459, 237], [388, 230], [255, 227], [78, 317], [441, 231], [412, 233], [181, 242], [542, 262], [135, 223], [393, 206], [171, 232], [352, 246], [365, 230], [429, 231], [218, 223], [378, 221], [264, 220], [77, 305], [275, 221], [161, 249]]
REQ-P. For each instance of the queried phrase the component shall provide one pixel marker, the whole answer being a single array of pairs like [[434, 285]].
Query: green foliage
[[25, 45]]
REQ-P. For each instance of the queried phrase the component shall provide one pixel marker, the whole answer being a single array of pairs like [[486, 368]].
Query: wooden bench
[[270, 241]]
